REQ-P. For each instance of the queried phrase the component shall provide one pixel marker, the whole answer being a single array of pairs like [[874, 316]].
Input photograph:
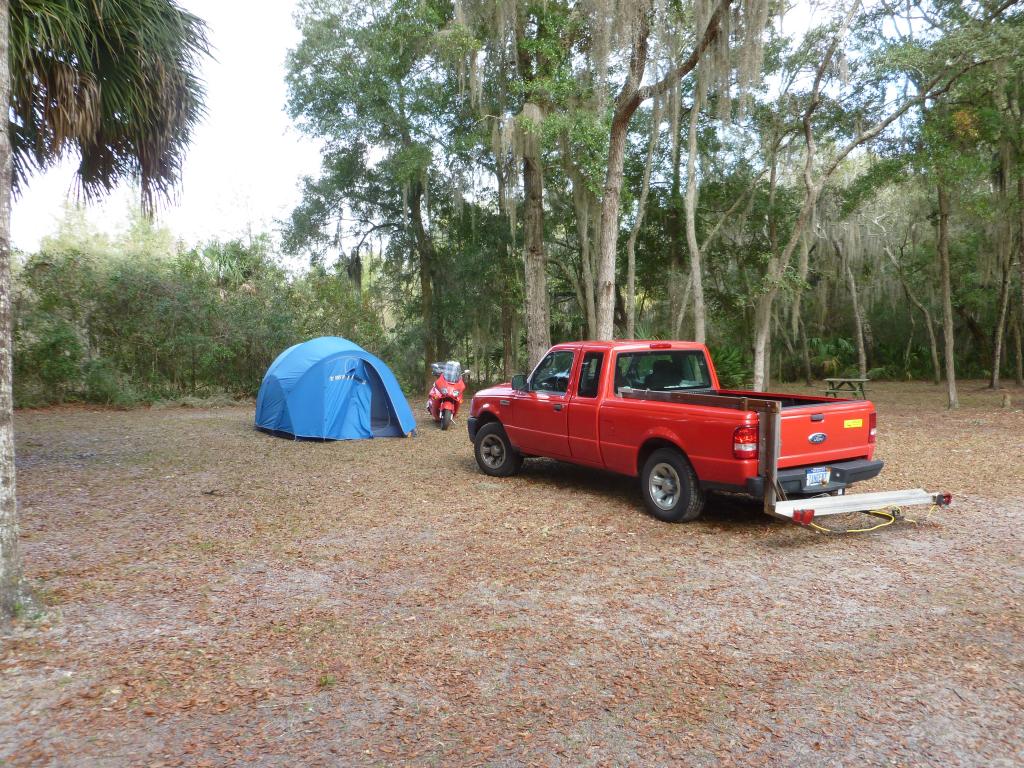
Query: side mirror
[[519, 383]]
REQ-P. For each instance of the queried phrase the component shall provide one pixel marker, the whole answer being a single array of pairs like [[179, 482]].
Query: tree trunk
[[673, 230], [776, 264], [635, 231], [538, 326], [933, 347], [630, 97], [806, 352], [858, 321], [532, 65], [762, 334], [947, 297], [584, 203], [1006, 262], [516, 334], [684, 303], [1020, 265], [910, 348], [605, 294], [696, 273], [506, 338], [10, 561], [1000, 326], [803, 267], [425, 247], [1018, 348]]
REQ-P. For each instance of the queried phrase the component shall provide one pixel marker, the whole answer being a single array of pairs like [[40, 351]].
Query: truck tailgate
[[820, 433]]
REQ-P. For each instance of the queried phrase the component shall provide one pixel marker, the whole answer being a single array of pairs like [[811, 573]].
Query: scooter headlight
[[444, 390]]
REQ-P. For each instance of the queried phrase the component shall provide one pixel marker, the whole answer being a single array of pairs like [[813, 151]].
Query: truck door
[[582, 422], [539, 425]]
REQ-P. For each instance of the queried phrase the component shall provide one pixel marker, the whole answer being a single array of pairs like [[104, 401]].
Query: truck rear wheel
[[669, 487], [494, 453]]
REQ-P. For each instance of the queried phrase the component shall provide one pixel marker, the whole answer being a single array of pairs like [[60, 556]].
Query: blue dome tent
[[329, 388]]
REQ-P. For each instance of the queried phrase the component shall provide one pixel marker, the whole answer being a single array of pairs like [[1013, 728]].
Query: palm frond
[[113, 81]]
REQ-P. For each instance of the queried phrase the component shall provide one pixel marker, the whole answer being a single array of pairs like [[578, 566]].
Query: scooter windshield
[[452, 372]]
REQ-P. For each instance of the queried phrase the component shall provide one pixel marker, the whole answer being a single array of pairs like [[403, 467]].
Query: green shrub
[[55, 357], [29, 394], [883, 372], [103, 384]]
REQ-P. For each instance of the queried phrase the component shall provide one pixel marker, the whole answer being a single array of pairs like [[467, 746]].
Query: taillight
[[872, 427], [744, 442], [803, 516]]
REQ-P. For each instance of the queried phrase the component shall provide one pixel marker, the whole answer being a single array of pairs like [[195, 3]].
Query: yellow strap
[[887, 515], [888, 518]]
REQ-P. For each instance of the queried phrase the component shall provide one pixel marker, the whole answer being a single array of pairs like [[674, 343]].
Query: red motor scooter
[[446, 394]]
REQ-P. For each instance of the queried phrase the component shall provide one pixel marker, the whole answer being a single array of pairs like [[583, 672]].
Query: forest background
[[812, 189]]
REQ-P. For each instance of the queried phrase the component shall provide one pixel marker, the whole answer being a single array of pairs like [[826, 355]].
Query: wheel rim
[[492, 451], [664, 485]]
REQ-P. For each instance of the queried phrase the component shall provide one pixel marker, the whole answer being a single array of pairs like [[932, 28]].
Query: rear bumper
[[471, 426], [844, 473]]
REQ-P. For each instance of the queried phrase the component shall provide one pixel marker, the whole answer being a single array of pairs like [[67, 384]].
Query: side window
[[552, 375], [590, 374]]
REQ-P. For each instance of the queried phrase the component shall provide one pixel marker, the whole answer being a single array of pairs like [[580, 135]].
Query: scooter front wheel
[[446, 419]]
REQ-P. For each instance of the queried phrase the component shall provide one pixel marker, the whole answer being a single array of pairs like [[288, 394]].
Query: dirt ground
[[216, 596]]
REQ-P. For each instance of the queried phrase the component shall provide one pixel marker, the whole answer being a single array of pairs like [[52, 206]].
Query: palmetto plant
[[113, 81], [830, 356]]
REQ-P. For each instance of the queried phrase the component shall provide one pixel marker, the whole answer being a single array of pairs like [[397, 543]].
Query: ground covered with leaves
[[212, 596]]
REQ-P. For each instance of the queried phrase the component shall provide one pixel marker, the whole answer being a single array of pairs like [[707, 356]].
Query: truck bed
[[814, 430], [786, 400], [730, 398]]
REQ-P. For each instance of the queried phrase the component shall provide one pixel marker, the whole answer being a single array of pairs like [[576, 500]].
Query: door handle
[[558, 406]]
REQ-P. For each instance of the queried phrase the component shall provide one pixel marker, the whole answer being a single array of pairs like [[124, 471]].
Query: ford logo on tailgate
[[818, 437]]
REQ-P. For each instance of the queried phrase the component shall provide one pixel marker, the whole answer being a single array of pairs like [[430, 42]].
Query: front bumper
[[471, 426], [844, 473]]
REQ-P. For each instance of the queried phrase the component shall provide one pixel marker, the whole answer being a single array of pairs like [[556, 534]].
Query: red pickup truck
[[655, 409]]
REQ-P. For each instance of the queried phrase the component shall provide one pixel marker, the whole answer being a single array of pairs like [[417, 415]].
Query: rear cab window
[[670, 370], [590, 374]]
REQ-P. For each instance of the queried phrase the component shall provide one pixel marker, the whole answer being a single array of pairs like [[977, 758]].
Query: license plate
[[817, 477]]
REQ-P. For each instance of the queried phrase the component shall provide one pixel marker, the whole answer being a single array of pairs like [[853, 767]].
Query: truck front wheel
[[494, 453], [669, 486]]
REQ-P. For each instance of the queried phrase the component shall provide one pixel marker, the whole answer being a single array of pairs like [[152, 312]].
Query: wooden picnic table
[[838, 387]]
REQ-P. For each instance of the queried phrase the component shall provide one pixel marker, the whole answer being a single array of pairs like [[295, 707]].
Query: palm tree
[[113, 83]]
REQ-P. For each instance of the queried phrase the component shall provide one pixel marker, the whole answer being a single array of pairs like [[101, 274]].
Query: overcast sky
[[246, 160]]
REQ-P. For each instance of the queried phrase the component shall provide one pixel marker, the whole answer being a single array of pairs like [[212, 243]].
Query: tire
[[669, 487], [446, 419], [494, 453]]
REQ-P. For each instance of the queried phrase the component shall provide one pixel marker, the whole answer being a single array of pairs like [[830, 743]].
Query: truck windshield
[[663, 371]]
